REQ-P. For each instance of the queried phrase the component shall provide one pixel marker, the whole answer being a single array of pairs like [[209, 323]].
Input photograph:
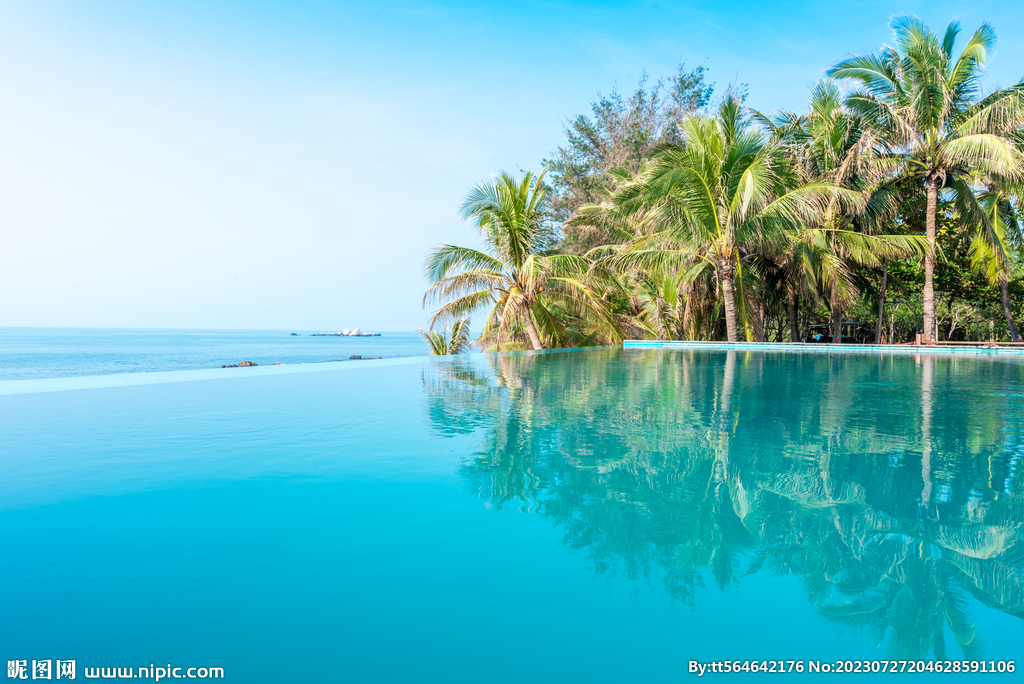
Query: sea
[[37, 353]]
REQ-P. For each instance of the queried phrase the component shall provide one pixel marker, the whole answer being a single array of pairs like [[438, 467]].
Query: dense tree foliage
[[620, 135], [923, 105], [892, 202], [531, 294]]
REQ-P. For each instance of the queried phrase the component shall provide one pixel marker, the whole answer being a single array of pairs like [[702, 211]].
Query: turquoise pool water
[[602, 516]]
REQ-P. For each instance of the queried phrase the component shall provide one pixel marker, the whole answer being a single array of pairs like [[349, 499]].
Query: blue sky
[[287, 165]]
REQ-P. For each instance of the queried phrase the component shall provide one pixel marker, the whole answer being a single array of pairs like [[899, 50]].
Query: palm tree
[[724, 195], [831, 144], [999, 233], [922, 105], [522, 285], [660, 303], [448, 341]]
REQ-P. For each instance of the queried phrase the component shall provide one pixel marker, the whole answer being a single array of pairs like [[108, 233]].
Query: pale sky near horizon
[[287, 165]]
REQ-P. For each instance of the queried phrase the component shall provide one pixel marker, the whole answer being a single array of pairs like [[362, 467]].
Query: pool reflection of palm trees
[[683, 468]]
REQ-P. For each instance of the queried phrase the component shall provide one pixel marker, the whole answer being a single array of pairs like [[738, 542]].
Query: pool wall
[[830, 348]]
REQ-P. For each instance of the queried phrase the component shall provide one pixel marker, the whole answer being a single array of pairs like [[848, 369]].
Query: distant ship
[[358, 332]]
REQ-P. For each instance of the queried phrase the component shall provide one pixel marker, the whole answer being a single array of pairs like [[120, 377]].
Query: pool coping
[[821, 348]]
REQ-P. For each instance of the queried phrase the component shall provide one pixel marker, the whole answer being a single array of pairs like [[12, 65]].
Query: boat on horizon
[[345, 332]]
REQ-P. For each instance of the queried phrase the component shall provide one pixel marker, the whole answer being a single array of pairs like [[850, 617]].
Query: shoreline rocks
[[243, 364]]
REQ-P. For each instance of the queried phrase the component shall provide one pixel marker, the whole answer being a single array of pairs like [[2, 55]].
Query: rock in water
[[295, 334], [241, 365]]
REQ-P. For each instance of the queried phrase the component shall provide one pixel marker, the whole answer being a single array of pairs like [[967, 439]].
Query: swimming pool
[[603, 515]]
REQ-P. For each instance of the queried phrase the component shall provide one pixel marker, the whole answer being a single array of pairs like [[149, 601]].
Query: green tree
[[658, 303], [923, 105], [724, 196], [998, 238], [620, 134], [454, 340], [523, 286], [829, 144]]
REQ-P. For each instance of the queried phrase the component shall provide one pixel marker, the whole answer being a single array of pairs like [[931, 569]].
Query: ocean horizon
[[40, 353]]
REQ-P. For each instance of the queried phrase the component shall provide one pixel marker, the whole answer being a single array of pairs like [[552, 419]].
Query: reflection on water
[[890, 486]]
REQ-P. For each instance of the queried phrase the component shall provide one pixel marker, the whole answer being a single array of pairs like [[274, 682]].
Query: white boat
[[358, 332]]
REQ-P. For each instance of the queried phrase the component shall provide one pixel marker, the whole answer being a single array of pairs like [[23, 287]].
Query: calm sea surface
[[35, 353], [589, 516]]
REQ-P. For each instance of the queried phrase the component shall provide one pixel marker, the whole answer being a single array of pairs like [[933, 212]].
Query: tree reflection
[[887, 485]]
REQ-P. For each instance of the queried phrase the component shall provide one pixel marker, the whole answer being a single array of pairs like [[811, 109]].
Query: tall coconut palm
[[518, 282], [724, 195], [923, 104], [833, 145]]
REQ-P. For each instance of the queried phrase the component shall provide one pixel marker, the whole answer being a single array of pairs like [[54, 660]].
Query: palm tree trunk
[[837, 321], [756, 316], [879, 333], [794, 324], [531, 329], [932, 187], [685, 331], [1004, 290], [729, 295]]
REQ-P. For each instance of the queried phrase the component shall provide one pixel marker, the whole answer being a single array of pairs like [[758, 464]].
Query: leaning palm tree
[[526, 290], [923, 105], [454, 340], [723, 196]]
